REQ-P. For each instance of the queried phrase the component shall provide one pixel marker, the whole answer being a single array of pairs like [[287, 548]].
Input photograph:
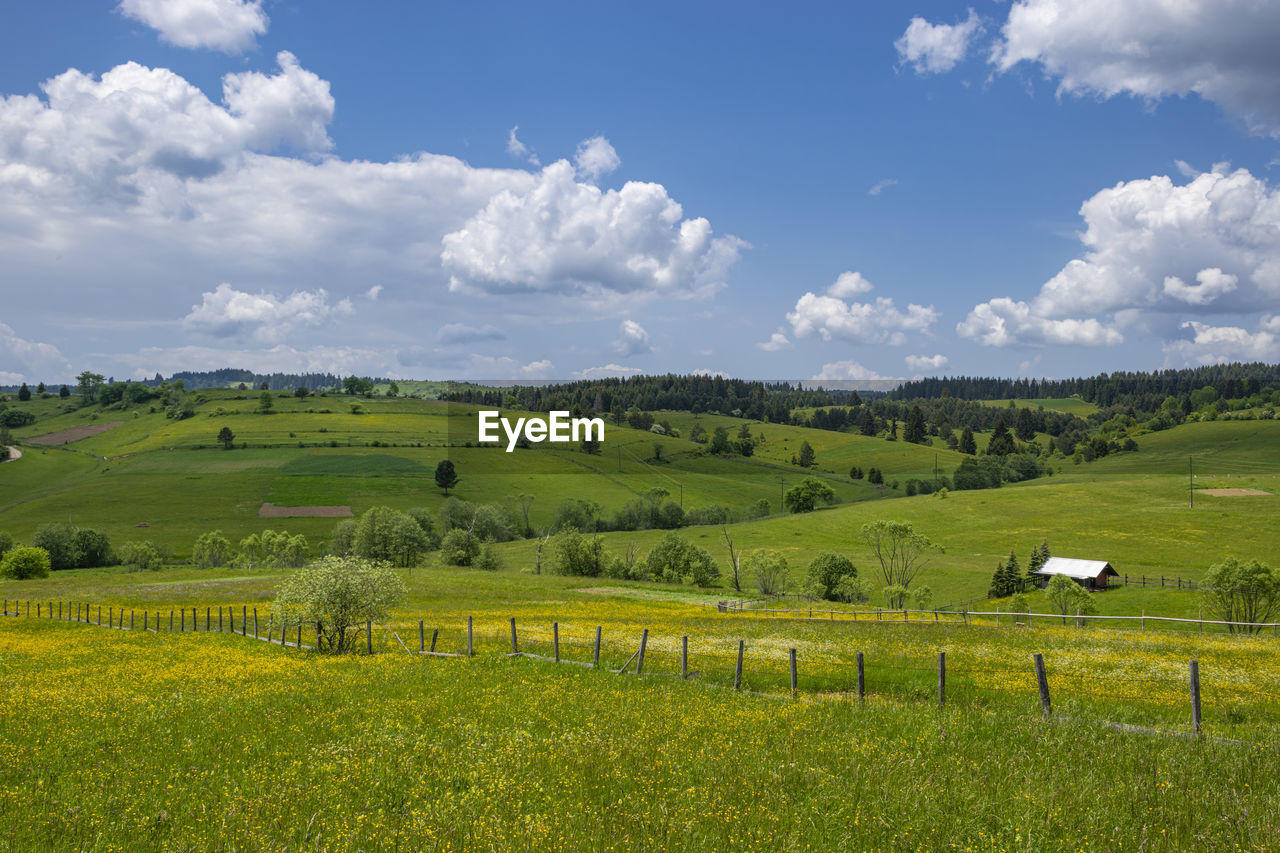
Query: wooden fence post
[[170, 621], [515, 649], [255, 623], [300, 637], [1042, 681], [59, 609], [1195, 695], [206, 622], [1144, 619], [555, 641], [1200, 616], [111, 617], [422, 638], [684, 657], [942, 678], [368, 636], [319, 634], [183, 620], [737, 671], [244, 620], [130, 618], [595, 657], [793, 672], [644, 642], [470, 638], [144, 620], [219, 618], [435, 632], [862, 681]]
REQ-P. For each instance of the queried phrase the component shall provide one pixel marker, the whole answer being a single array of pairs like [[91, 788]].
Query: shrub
[[57, 541], [427, 521], [769, 571], [25, 562], [270, 549], [459, 548], [142, 556], [338, 595], [212, 549], [805, 497], [577, 554], [576, 514], [6, 543], [344, 537], [710, 514], [677, 561], [389, 535], [827, 570], [91, 547]]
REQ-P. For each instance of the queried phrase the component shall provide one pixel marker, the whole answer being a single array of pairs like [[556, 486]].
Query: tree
[[387, 535], [1001, 443], [769, 571], [806, 457], [805, 497], [446, 476], [393, 390], [226, 438], [577, 554], [358, 385], [1068, 597], [901, 551], [25, 562], [300, 392], [867, 425], [914, 430], [88, 383], [265, 403], [24, 393], [1039, 556], [6, 543], [719, 441], [875, 476], [57, 540], [64, 392], [91, 548], [41, 389], [1238, 591], [459, 547], [827, 571], [967, 443], [855, 473], [212, 549], [142, 556], [338, 595], [735, 560], [676, 561], [1024, 425], [1013, 572]]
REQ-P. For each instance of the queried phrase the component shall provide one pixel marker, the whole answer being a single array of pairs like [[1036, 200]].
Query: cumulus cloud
[[519, 150], [595, 157], [632, 339], [936, 48], [560, 236], [227, 312], [461, 333], [1145, 241], [1222, 50], [777, 341], [831, 318], [607, 371], [1222, 344], [921, 363], [373, 293], [227, 25], [847, 369], [281, 358], [880, 186], [30, 361], [505, 367]]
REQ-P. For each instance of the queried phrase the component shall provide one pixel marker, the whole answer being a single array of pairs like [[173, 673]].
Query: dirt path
[[14, 454]]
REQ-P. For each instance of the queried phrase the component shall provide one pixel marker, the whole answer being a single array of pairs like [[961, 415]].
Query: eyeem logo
[[558, 427]]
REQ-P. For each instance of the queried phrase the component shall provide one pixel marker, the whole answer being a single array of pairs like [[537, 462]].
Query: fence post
[[206, 622], [319, 634], [1200, 616], [595, 657], [144, 620], [1144, 619], [244, 620], [1042, 681], [684, 657], [644, 642], [59, 609], [183, 620], [368, 636], [862, 680], [997, 616], [130, 617], [737, 671], [1195, 695], [170, 621], [300, 637], [219, 618], [422, 640], [515, 649], [470, 638], [793, 672], [435, 632], [904, 614], [942, 678], [555, 640], [255, 623]]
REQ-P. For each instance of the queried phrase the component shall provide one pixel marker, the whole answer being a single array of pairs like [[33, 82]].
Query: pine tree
[[914, 430], [998, 582], [805, 459], [868, 423], [1013, 573], [1039, 556], [1001, 443], [967, 443]]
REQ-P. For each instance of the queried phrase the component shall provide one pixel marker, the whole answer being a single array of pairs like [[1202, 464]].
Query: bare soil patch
[[66, 436], [270, 510], [14, 454], [1231, 493]]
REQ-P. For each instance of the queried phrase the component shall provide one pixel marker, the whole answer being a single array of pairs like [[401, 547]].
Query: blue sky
[[556, 190]]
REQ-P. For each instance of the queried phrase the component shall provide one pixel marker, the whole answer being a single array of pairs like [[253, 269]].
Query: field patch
[[1231, 493], [66, 436], [353, 465], [270, 510]]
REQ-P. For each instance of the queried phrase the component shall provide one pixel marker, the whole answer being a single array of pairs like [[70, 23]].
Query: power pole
[[1191, 482], [782, 485], [935, 471], [619, 458]]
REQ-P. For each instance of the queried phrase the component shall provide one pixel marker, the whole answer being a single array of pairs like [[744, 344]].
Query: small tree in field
[[212, 549], [1238, 591], [25, 562], [446, 476], [769, 571], [805, 496], [901, 552], [1068, 597], [226, 438], [337, 596]]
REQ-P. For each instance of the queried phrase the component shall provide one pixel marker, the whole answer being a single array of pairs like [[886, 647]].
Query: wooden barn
[[1090, 574]]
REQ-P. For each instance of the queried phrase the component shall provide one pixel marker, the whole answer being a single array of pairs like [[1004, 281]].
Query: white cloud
[[777, 341], [373, 293], [632, 339], [30, 361], [1003, 322], [461, 333], [830, 317], [227, 25], [936, 48], [595, 157], [227, 312], [846, 370], [282, 358], [1222, 344], [608, 371], [1213, 283], [880, 186], [563, 237], [848, 285], [921, 363], [519, 150], [1222, 50], [706, 371], [504, 367]]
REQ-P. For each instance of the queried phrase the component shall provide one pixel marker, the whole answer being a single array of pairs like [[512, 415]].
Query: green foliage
[[805, 496], [71, 547], [6, 543], [826, 572], [577, 554], [901, 552], [853, 589], [576, 514], [212, 549], [895, 596], [344, 538], [272, 550], [768, 571], [143, 556], [806, 457], [25, 562], [387, 535], [1001, 443], [1238, 591], [446, 475], [1068, 597], [91, 547], [338, 595], [426, 520], [719, 443], [676, 561], [226, 438], [459, 547], [24, 393], [1018, 603]]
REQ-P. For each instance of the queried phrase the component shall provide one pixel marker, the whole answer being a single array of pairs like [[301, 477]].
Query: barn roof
[[1079, 569]]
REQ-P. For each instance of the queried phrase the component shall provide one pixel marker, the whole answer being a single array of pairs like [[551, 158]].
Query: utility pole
[[619, 458], [681, 495], [782, 485], [935, 471], [1191, 482]]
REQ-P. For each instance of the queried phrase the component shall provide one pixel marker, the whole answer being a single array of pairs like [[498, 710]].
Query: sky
[[567, 190]]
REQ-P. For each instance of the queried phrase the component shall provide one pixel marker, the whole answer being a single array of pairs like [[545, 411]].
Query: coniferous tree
[[914, 430], [24, 393], [1001, 443], [1013, 574], [805, 460], [967, 443], [868, 423], [1039, 556], [1024, 425]]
